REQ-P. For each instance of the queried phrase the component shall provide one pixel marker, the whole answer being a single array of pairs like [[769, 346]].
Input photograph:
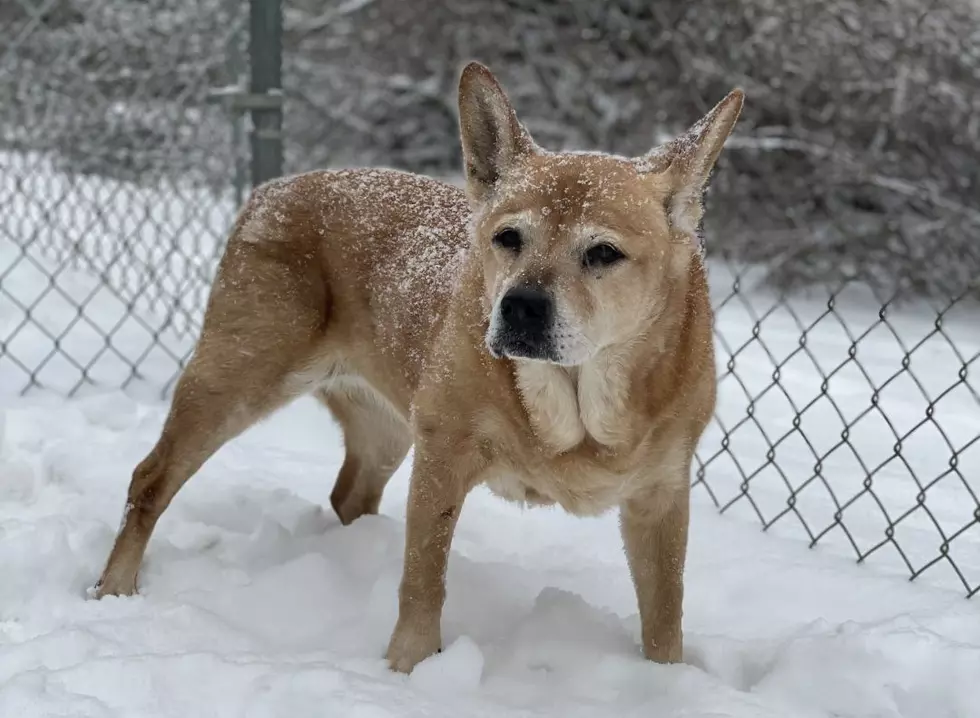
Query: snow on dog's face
[[580, 250], [576, 257]]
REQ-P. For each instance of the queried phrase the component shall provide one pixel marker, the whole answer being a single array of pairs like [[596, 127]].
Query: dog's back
[[387, 246]]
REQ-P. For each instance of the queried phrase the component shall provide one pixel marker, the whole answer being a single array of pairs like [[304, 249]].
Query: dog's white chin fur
[[574, 351], [574, 356]]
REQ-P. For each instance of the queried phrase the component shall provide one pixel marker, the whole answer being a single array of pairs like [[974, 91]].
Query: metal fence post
[[235, 68], [265, 56]]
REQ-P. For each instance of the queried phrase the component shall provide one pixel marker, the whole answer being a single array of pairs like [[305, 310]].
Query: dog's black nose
[[527, 311]]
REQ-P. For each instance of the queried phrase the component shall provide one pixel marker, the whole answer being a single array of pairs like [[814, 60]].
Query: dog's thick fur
[[492, 331]]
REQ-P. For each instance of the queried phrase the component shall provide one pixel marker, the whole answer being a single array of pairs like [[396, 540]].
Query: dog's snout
[[526, 309], [523, 327]]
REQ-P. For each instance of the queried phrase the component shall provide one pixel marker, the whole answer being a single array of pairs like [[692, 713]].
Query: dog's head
[[580, 250]]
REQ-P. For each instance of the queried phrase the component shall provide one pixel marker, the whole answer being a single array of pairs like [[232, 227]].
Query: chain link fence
[[116, 189], [849, 420], [842, 265]]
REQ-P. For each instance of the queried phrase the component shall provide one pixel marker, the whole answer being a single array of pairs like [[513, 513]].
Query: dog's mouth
[[520, 347]]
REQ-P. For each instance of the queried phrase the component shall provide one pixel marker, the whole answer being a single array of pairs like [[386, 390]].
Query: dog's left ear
[[493, 139], [689, 159]]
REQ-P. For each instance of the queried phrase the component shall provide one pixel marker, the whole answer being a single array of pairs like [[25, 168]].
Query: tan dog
[[550, 337]]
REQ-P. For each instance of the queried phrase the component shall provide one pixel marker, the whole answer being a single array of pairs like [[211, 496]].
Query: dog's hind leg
[[208, 410], [376, 442], [263, 321]]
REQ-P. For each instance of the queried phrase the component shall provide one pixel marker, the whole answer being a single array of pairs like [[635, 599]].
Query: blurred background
[[842, 225], [857, 154]]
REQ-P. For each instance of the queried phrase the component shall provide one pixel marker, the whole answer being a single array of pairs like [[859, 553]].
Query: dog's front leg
[[654, 530], [435, 498]]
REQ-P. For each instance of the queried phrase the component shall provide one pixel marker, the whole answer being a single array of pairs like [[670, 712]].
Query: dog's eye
[[508, 239], [601, 255]]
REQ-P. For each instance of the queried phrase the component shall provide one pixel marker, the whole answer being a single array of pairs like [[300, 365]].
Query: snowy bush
[[858, 154]]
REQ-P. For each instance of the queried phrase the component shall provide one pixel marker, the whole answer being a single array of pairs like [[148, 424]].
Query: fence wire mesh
[[849, 420], [848, 408], [115, 166]]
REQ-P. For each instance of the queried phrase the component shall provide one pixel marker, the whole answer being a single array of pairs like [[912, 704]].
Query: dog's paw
[[106, 588], [409, 647], [664, 652]]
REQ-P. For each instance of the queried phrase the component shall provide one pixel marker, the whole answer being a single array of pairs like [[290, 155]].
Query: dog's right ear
[[493, 138]]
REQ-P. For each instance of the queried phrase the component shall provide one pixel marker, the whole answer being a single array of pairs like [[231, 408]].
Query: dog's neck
[[604, 398], [565, 405]]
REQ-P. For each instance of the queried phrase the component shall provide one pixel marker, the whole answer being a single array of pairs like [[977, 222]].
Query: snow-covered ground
[[256, 602]]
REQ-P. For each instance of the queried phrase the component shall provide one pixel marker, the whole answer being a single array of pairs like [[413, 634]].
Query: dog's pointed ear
[[493, 138], [689, 159]]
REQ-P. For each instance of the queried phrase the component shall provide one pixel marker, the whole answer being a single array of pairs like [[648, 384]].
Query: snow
[[256, 602]]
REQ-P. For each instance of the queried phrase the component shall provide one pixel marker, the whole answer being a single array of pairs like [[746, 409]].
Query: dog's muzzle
[[526, 317]]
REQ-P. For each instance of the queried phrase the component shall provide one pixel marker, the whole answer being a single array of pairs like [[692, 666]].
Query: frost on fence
[[115, 185]]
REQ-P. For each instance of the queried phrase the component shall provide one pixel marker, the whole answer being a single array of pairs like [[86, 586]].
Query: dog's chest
[[584, 490]]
